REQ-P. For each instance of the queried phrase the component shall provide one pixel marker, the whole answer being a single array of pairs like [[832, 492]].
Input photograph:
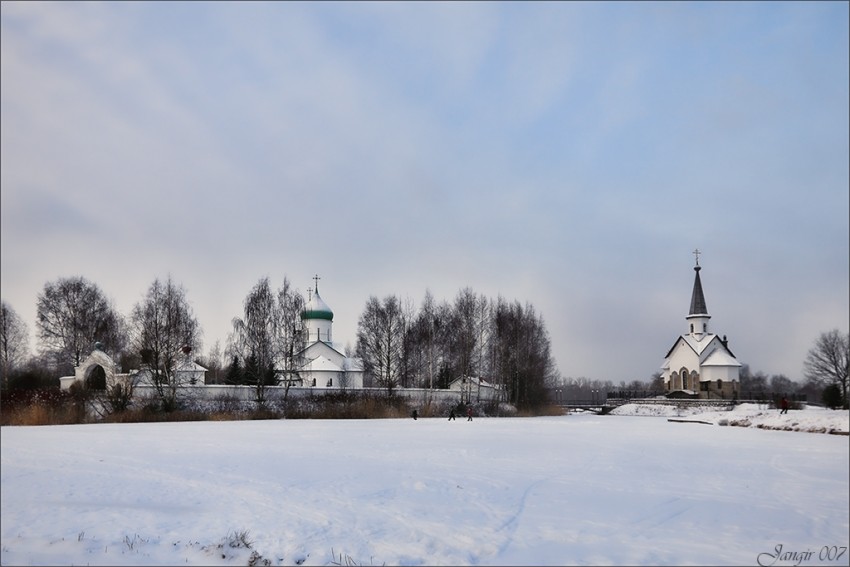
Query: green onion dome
[[316, 308]]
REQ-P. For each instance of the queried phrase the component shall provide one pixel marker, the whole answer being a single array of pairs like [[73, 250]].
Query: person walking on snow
[[452, 415], [784, 405], [469, 414]]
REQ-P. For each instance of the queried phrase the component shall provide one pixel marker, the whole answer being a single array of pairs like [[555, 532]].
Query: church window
[[692, 327], [705, 327], [330, 382], [719, 384], [314, 381]]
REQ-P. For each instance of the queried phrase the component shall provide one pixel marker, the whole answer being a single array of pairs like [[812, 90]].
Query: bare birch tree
[[290, 335], [828, 362], [163, 323], [521, 355], [269, 337], [14, 342], [380, 337], [465, 333], [72, 315], [256, 338]]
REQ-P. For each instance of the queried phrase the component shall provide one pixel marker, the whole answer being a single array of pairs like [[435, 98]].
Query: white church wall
[[248, 393], [724, 373], [683, 356]]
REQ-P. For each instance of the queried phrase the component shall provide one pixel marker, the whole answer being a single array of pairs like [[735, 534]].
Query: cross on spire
[[316, 279], [697, 253]]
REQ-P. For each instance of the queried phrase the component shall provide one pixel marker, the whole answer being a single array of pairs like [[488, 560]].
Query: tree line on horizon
[[400, 345], [504, 342]]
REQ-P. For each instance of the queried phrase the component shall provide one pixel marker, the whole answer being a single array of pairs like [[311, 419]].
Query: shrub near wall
[[347, 405], [42, 407], [57, 407]]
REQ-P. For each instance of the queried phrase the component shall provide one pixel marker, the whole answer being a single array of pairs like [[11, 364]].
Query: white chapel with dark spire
[[700, 364]]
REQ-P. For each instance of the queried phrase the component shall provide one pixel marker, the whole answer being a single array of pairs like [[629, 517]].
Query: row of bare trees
[[162, 326], [267, 338], [505, 343], [73, 315]]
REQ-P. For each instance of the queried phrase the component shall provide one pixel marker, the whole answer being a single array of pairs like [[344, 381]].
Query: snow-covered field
[[577, 489]]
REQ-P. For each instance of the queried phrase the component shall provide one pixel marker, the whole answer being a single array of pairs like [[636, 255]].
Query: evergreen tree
[[234, 372], [251, 373]]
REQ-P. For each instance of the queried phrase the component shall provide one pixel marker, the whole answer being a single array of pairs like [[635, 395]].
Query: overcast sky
[[571, 155]]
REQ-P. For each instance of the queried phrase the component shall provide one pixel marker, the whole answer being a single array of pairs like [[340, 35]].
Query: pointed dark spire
[[697, 298]]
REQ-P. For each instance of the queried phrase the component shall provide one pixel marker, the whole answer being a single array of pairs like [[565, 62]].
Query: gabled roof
[[333, 346], [696, 345], [720, 357], [185, 365]]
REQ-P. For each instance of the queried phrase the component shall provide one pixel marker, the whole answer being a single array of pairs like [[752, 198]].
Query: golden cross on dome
[[316, 279]]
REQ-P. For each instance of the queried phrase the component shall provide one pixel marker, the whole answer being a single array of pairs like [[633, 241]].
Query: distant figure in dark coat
[[784, 405], [452, 414], [469, 414], [415, 414]]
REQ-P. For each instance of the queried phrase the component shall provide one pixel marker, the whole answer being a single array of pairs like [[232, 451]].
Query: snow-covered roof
[[331, 345], [700, 344], [697, 345], [720, 357], [185, 365]]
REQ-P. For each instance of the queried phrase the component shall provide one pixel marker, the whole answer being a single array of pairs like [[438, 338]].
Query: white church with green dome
[[324, 363]]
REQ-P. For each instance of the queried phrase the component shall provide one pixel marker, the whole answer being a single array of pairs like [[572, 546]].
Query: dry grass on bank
[[60, 408]]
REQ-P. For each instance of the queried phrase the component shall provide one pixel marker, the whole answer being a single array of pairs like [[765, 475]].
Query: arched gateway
[[96, 372]]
